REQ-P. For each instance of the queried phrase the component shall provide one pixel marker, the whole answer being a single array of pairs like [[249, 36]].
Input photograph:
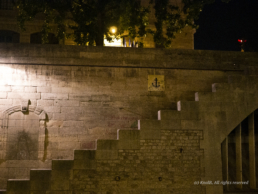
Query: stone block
[[88, 145], [59, 116], [190, 115], [18, 186], [5, 88], [23, 95], [91, 104], [66, 103], [53, 96], [106, 154], [129, 144], [220, 87], [40, 175], [3, 94], [150, 134], [62, 164], [169, 114], [192, 124], [61, 175], [31, 89], [4, 173], [17, 88], [91, 55], [84, 154], [107, 144], [84, 164], [170, 124], [149, 124], [69, 145], [31, 116], [203, 96], [30, 124], [62, 90], [16, 116], [237, 79], [43, 89], [52, 109], [60, 185], [187, 106], [6, 101], [73, 124], [72, 110], [128, 135], [100, 98], [38, 187], [44, 103], [80, 97]]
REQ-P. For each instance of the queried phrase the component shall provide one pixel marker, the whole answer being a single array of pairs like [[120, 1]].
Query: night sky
[[222, 24]]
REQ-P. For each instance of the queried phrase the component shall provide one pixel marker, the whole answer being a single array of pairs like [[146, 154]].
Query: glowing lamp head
[[113, 29], [241, 41]]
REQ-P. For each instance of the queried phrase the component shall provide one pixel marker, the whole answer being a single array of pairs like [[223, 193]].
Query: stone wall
[[87, 93]]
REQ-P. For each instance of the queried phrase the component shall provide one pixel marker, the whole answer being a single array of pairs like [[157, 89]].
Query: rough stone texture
[[90, 100]]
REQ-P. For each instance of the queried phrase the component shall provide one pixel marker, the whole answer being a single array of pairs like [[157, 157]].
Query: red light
[[239, 40]]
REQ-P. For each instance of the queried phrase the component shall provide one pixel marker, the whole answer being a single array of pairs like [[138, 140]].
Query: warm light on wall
[[115, 42]]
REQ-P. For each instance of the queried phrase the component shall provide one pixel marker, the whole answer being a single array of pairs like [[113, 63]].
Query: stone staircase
[[162, 156]]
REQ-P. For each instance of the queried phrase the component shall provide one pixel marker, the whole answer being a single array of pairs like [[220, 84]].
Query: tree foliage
[[172, 18], [90, 20]]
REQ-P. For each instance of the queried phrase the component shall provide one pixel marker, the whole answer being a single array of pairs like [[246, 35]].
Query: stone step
[[128, 139], [242, 82], [84, 159], [221, 87], [228, 96], [157, 125], [62, 164], [107, 149], [237, 79], [174, 114], [16, 186], [3, 191], [84, 154], [128, 135], [61, 174], [203, 96], [107, 144], [40, 179], [191, 106]]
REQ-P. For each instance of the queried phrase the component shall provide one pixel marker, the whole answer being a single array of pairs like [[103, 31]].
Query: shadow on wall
[[7, 36], [239, 156], [36, 38]]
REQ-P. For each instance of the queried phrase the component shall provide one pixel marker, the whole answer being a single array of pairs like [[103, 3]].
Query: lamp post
[[242, 44]]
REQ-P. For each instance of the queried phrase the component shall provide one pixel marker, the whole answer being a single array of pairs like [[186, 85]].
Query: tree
[[91, 20], [171, 19]]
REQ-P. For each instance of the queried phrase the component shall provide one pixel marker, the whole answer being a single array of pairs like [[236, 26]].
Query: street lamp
[[242, 43], [113, 29]]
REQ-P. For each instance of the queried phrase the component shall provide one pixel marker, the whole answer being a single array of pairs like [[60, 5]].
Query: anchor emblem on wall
[[156, 83]]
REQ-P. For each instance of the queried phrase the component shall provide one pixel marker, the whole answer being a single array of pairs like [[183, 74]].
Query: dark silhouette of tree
[[90, 20]]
